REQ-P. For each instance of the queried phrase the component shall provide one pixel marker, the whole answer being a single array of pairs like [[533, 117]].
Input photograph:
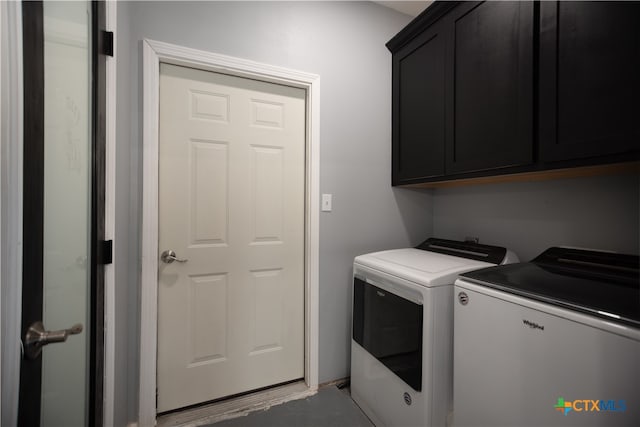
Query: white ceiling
[[411, 8]]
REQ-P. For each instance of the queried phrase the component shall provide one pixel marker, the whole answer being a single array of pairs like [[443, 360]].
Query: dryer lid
[[420, 266]]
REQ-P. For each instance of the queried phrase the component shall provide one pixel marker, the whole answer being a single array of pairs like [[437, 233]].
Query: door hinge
[[105, 252], [107, 43]]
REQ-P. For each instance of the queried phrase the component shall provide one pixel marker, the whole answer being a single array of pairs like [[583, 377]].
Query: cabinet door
[[589, 79], [490, 81], [418, 108]]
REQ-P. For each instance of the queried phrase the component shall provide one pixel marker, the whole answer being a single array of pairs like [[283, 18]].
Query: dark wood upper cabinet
[[418, 108], [513, 87], [490, 82], [589, 79]]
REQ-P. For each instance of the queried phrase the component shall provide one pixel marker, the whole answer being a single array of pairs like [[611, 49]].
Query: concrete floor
[[330, 407]]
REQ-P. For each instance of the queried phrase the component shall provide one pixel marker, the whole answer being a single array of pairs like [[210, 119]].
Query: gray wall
[[343, 42], [596, 212]]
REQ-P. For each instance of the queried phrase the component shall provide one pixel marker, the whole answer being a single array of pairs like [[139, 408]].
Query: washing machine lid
[[425, 265], [602, 284]]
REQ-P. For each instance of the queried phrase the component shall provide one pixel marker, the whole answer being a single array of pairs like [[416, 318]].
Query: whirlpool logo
[[532, 325], [589, 405]]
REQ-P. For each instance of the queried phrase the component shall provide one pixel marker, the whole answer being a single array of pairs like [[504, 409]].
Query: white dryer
[[402, 343]]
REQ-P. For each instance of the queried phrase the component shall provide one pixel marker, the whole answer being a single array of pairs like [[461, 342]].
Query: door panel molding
[[154, 53]]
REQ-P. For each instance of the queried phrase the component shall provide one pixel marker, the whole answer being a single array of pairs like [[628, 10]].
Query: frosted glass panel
[[67, 150]]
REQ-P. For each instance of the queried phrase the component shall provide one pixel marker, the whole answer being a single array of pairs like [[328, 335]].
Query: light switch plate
[[326, 203]]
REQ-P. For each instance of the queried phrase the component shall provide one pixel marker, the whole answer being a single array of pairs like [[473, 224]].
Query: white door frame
[[154, 53], [111, 21]]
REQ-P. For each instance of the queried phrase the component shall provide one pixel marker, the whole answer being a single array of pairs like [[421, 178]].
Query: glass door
[[60, 336], [67, 198]]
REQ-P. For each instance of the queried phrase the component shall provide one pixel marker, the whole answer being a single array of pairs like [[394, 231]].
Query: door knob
[[37, 337], [169, 256]]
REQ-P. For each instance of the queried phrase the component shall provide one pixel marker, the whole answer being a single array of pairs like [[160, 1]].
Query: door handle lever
[[37, 337], [169, 256]]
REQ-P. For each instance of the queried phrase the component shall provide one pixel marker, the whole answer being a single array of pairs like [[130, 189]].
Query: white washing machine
[[401, 346], [552, 342]]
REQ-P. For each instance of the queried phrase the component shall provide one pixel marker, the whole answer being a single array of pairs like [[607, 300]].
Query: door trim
[[154, 53], [109, 219], [11, 204]]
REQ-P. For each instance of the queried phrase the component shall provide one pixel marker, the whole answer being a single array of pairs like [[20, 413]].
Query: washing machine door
[[389, 327]]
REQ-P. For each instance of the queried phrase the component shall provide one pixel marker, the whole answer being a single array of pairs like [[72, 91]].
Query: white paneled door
[[231, 210]]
